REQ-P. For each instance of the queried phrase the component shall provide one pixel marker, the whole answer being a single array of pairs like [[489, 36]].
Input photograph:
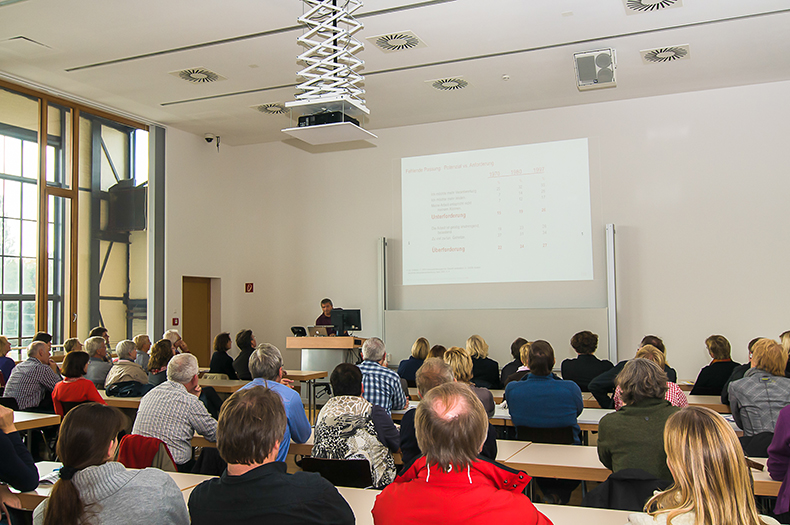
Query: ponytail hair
[[85, 436]]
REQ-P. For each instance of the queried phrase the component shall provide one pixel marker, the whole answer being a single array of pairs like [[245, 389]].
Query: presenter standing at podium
[[326, 317]]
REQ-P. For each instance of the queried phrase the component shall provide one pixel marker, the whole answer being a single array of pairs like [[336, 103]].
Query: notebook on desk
[[318, 331]]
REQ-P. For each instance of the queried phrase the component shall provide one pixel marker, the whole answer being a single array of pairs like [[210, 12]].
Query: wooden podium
[[325, 353]]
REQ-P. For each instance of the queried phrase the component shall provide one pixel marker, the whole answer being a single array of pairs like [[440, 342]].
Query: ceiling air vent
[[271, 108], [398, 41], [644, 6], [198, 75], [448, 84], [665, 54]]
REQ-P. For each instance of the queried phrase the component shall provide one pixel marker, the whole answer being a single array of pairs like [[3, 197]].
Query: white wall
[[691, 181]]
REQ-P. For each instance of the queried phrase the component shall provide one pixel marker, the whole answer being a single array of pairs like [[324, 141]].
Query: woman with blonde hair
[[674, 394], [485, 371], [712, 483], [407, 369], [461, 364]]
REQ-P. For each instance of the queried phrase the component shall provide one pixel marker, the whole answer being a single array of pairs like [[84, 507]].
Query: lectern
[[325, 353]]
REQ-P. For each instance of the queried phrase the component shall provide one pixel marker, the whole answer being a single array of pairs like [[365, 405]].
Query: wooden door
[[196, 312]]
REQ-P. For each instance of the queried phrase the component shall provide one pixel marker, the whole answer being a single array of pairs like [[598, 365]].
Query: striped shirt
[[674, 395], [170, 413], [30, 381], [381, 386]]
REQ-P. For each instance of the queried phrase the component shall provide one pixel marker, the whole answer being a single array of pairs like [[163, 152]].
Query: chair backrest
[[19, 516], [9, 402], [557, 436], [140, 452], [68, 405], [341, 472], [627, 489], [209, 375]]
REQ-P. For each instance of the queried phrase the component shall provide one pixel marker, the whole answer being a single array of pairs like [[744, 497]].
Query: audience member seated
[[380, 385], [712, 482], [461, 365], [541, 399], [779, 463], [350, 427], [738, 373], [266, 367], [126, 369], [674, 394], [6, 363], [711, 378], [179, 345], [603, 385], [784, 340], [93, 488], [72, 345], [450, 484], [74, 388], [173, 413], [513, 366], [523, 370], [586, 366], [221, 362], [407, 369], [245, 340], [434, 372], [100, 363], [255, 487], [33, 380], [17, 468], [633, 436], [102, 332], [756, 399], [161, 354], [143, 344], [485, 371], [437, 351]]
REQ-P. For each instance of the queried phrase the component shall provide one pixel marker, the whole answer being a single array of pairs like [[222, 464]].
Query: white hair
[[373, 349], [182, 368], [92, 344], [266, 362], [34, 348], [125, 348], [172, 335]]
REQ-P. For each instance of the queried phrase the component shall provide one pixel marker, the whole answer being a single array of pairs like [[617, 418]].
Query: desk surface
[[306, 375], [120, 402], [30, 420], [362, 500]]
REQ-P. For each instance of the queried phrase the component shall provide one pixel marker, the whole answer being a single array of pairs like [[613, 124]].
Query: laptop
[[317, 331]]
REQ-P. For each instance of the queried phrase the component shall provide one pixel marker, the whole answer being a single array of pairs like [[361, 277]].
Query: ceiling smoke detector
[[644, 6], [665, 54], [398, 41], [271, 108], [198, 75], [448, 84]]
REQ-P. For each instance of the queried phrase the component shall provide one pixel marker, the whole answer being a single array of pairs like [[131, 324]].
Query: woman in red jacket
[[74, 388]]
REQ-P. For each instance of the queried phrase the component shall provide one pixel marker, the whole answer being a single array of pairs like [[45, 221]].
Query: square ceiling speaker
[[595, 69]]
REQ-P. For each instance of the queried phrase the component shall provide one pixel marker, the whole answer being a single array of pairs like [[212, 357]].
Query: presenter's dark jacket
[[323, 320], [222, 363], [602, 387], [410, 450], [584, 369], [485, 373], [711, 379], [268, 494]]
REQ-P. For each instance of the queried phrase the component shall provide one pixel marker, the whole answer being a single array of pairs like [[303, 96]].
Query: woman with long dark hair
[[94, 489]]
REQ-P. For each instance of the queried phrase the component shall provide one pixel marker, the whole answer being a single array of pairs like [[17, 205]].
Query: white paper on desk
[[51, 478]]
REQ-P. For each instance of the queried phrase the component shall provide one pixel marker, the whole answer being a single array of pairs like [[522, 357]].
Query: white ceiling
[[732, 42]]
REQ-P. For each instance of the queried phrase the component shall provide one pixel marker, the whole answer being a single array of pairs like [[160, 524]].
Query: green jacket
[[633, 437]]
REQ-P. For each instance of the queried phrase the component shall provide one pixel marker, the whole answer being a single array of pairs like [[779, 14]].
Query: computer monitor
[[346, 320]]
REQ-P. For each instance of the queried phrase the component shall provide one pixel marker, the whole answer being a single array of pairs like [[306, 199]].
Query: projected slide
[[520, 213]]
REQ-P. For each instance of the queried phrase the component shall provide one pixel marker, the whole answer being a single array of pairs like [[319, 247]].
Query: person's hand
[[332, 335], [54, 366], [8, 498], [7, 420], [196, 391], [287, 382], [183, 347]]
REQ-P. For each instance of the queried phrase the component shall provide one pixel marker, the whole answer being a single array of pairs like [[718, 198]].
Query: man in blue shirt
[[381, 386], [266, 368]]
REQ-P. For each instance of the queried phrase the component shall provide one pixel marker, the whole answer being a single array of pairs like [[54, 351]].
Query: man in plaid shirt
[[31, 383], [380, 385]]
